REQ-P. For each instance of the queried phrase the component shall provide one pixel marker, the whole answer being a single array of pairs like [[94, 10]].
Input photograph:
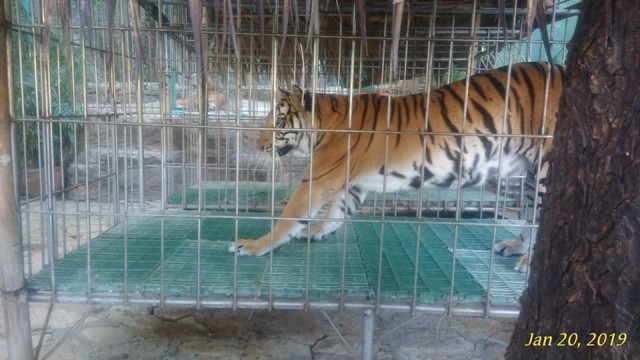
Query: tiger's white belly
[[407, 177], [377, 183]]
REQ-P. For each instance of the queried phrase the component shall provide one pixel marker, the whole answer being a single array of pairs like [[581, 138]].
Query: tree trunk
[[584, 289]]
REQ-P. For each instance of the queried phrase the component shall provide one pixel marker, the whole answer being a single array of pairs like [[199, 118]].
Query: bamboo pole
[[12, 282]]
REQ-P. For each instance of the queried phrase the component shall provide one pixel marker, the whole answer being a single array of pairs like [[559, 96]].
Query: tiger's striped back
[[445, 135]]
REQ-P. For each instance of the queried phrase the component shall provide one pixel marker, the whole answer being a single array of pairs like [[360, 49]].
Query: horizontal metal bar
[[148, 214], [481, 35], [67, 188], [346, 10], [348, 131], [278, 304]]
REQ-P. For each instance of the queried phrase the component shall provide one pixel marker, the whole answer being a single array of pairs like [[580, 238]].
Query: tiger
[[348, 157]]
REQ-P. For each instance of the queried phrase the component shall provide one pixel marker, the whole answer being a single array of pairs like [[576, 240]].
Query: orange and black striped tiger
[[349, 157]]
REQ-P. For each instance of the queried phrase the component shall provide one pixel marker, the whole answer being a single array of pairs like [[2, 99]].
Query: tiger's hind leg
[[516, 247], [523, 243], [342, 207]]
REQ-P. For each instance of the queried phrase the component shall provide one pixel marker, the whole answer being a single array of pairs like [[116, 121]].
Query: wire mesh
[[133, 177]]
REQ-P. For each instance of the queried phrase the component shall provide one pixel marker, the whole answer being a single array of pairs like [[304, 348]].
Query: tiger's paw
[[313, 232], [317, 232], [513, 247], [522, 264], [247, 248], [509, 247]]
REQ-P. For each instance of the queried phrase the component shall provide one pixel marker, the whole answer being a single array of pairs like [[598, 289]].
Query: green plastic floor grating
[[218, 194], [435, 260], [296, 270]]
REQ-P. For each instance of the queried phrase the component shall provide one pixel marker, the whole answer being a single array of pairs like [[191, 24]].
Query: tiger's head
[[290, 116]]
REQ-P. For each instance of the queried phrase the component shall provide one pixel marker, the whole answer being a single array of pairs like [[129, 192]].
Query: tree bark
[[585, 275]]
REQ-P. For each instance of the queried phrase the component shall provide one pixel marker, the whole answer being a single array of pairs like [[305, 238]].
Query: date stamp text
[[575, 340]]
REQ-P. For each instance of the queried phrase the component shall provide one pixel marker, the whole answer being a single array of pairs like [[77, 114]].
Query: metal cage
[[133, 175]]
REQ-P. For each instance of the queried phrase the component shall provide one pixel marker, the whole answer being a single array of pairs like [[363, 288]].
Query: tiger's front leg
[[342, 207], [284, 230]]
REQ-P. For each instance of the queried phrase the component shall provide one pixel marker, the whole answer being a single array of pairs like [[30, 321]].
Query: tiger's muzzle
[[281, 151]]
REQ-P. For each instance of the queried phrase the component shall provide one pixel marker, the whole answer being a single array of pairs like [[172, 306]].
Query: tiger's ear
[[297, 91], [303, 97], [282, 93]]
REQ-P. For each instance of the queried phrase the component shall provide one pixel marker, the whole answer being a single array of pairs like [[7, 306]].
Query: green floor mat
[[348, 263], [434, 259], [183, 272], [222, 195]]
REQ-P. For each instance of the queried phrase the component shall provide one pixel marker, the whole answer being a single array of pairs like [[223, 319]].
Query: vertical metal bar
[[87, 210], [37, 82], [48, 187], [419, 207], [169, 145], [406, 53], [314, 87], [343, 263], [237, 133], [94, 35], [384, 49], [199, 265], [184, 161], [100, 174], [76, 200], [202, 129], [41, 216], [112, 164], [115, 180], [367, 335], [274, 81], [162, 253], [384, 181], [25, 209], [140, 127], [451, 44], [162, 69], [459, 200], [51, 204], [564, 44], [501, 140], [60, 156], [86, 166], [250, 172]]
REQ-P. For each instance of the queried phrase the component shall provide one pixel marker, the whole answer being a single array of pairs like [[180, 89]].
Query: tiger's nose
[[264, 141], [263, 144]]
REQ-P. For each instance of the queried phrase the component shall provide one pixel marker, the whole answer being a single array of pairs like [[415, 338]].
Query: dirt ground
[[113, 332]]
